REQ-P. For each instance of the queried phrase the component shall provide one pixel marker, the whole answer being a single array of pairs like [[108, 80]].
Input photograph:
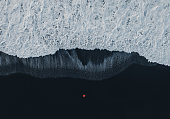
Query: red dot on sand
[[84, 95]]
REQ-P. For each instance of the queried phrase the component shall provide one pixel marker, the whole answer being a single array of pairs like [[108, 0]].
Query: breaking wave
[[75, 63], [33, 28]]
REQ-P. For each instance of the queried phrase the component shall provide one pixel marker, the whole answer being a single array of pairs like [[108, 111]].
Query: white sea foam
[[32, 28]]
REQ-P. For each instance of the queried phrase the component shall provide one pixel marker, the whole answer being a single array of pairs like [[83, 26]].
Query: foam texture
[[33, 28]]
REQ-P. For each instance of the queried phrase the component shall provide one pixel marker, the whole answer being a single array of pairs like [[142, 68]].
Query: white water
[[32, 28]]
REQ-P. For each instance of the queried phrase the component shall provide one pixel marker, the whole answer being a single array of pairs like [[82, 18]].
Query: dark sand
[[139, 92]]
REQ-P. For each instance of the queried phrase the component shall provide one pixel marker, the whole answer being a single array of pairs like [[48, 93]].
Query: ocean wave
[[76, 63], [41, 27]]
